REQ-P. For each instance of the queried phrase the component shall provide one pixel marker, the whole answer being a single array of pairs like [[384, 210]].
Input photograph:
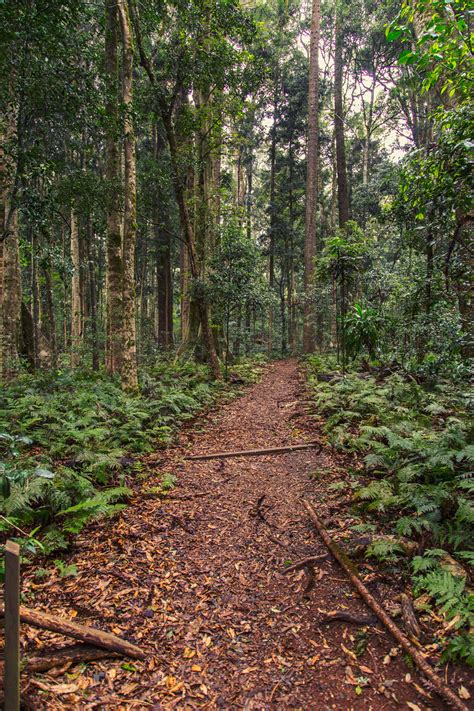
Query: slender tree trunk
[[76, 293], [10, 276], [273, 220], [342, 186], [312, 177], [129, 358], [10, 299], [48, 284], [164, 282], [113, 280], [91, 262], [35, 299]]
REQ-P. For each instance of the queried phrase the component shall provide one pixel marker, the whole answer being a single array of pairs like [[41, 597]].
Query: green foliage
[[416, 444], [86, 425], [362, 329], [442, 49]]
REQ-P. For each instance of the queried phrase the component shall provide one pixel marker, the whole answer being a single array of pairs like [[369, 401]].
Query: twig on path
[[342, 616], [278, 542], [439, 686], [177, 521], [311, 561], [254, 452]]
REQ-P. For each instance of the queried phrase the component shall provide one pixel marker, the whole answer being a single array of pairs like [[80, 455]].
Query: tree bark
[[10, 298], [273, 220], [48, 285], [342, 187], [129, 345], [90, 635], [113, 279], [77, 320], [312, 177], [10, 277]]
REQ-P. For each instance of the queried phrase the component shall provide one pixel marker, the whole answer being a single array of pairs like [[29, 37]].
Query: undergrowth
[[416, 446], [71, 441]]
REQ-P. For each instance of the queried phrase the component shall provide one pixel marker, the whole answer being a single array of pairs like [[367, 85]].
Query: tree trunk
[[10, 277], [91, 261], [273, 226], [164, 282], [312, 177], [50, 314], [76, 293], [129, 345], [10, 297], [342, 187], [35, 299], [113, 280]]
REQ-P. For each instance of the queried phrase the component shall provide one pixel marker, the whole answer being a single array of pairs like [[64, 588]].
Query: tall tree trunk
[[164, 282], [48, 285], [35, 299], [312, 177], [273, 220], [113, 279], [10, 277], [10, 299], [91, 262], [342, 186], [129, 359], [76, 293]]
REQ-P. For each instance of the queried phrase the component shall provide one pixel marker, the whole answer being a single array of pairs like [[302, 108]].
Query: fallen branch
[[342, 616], [439, 686], [253, 452], [305, 563], [76, 654], [90, 635]]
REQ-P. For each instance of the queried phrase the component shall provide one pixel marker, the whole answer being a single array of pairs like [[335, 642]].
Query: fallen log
[[253, 452], [438, 685], [90, 635], [75, 654]]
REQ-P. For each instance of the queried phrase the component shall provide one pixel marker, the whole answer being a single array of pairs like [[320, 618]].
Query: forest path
[[196, 580]]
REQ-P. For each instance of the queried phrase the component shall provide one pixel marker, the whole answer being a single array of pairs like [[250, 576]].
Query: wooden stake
[[439, 686], [254, 452], [12, 627]]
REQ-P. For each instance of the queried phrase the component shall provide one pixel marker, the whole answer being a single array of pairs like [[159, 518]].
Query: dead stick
[[440, 688], [342, 616], [74, 654], [312, 560], [253, 452], [98, 638]]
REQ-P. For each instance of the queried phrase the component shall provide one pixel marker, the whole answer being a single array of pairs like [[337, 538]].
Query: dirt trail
[[197, 581]]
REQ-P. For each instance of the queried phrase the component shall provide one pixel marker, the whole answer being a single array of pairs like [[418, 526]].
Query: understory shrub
[[416, 446]]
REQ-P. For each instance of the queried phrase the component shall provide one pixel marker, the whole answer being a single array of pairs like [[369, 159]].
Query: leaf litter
[[196, 578]]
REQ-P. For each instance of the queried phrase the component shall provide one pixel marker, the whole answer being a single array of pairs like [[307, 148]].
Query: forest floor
[[196, 579]]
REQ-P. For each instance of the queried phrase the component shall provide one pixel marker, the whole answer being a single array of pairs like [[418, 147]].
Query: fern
[[102, 504]]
